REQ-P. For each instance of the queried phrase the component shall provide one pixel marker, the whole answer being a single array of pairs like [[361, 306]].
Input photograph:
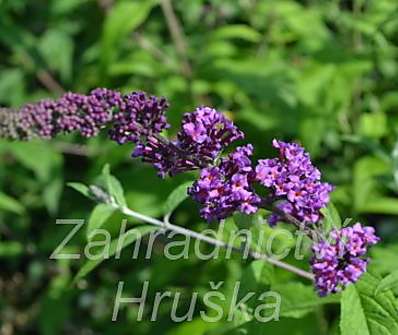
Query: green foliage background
[[320, 72]]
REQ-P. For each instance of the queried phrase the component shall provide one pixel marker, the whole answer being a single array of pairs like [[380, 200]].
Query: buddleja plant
[[289, 186]]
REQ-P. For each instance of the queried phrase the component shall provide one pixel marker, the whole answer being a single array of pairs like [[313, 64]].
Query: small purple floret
[[206, 132], [226, 188]]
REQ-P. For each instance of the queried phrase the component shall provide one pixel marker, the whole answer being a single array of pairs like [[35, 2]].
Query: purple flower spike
[[294, 182], [340, 261], [86, 114], [226, 188], [132, 116]]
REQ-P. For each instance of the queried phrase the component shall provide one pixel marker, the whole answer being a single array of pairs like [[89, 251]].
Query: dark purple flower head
[[203, 135], [226, 188], [340, 260], [206, 132], [294, 182], [139, 116]]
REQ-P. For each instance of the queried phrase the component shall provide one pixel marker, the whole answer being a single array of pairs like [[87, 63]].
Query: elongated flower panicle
[[130, 117], [339, 261], [226, 188], [294, 182], [73, 112], [226, 182]]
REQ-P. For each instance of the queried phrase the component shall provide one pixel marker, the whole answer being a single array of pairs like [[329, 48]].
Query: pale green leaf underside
[[98, 217], [176, 197]]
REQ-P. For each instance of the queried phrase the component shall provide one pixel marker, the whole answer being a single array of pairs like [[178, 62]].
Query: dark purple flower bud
[[163, 155], [139, 116], [38, 119], [340, 260], [86, 114]]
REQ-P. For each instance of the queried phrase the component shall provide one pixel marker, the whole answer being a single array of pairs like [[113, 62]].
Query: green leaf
[[373, 125], [98, 217], [56, 47], [237, 31], [10, 204], [62, 7], [81, 188], [382, 204], [365, 313], [388, 282], [395, 163], [47, 165], [368, 191], [353, 318], [312, 131], [298, 300], [257, 277], [37, 156], [176, 197], [332, 218], [243, 221], [10, 249], [196, 326], [52, 193], [127, 239], [114, 187], [308, 325], [262, 272], [12, 86], [124, 17], [384, 258]]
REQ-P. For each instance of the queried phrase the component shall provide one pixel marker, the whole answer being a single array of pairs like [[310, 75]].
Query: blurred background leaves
[[320, 72]]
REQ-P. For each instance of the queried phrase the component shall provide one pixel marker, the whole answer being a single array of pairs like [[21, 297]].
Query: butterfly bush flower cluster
[[226, 183], [204, 134], [226, 187], [339, 260], [295, 182]]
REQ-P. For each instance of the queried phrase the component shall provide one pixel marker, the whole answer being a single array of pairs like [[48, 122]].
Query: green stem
[[166, 225]]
